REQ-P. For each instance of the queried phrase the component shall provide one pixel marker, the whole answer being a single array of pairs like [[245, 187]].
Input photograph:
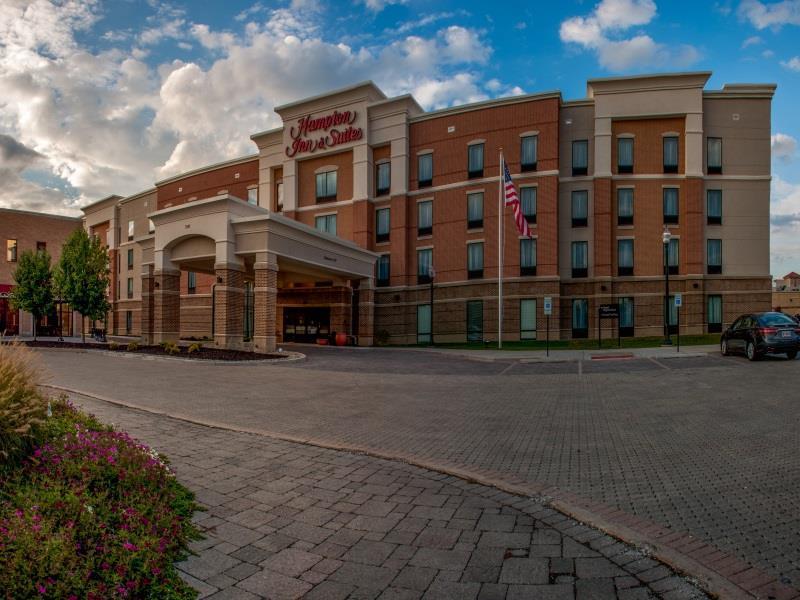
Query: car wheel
[[750, 350], [791, 355], [723, 348]]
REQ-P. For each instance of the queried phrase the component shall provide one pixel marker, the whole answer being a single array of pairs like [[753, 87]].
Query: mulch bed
[[202, 354]]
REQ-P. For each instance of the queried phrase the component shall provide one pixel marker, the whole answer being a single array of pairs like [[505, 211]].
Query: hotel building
[[361, 208]]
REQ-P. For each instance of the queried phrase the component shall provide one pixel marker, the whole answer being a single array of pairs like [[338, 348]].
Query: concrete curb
[[716, 572], [291, 357]]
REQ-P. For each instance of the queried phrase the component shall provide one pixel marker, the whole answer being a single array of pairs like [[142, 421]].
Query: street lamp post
[[665, 237], [431, 274]]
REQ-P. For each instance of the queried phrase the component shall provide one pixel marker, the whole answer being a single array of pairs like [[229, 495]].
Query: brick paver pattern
[[285, 520]]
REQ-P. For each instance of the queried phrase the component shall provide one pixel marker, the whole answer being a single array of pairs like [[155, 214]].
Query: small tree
[[33, 291], [82, 276]]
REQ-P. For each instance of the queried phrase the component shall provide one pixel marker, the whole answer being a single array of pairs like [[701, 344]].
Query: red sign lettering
[[335, 129]]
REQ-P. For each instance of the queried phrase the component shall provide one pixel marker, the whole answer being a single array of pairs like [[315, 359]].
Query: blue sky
[[100, 97]]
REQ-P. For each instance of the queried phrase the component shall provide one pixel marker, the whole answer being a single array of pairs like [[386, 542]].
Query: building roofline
[[743, 90], [138, 195], [672, 74], [266, 132], [206, 168], [491, 103], [33, 213], [402, 97], [97, 203], [349, 88]]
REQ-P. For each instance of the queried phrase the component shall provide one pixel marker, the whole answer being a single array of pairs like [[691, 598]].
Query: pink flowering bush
[[92, 514]]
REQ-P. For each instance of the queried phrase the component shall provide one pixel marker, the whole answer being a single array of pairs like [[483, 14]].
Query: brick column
[[229, 309], [147, 304], [166, 306], [266, 306], [366, 312]]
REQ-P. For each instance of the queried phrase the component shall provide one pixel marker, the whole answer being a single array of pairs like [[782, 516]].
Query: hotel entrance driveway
[[707, 446]]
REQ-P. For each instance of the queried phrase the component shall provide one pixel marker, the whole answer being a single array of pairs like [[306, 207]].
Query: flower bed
[[91, 513], [199, 352]]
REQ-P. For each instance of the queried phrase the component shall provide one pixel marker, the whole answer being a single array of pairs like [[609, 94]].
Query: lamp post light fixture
[[665, 237], [431, 275]]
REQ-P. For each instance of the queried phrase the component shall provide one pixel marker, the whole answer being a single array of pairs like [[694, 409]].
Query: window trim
[[584, 170], [424, 231], [383, 282], [527, 167], [378, 190], [716, 169], [382, 237], [625, 169], [477, 173], [476, 223], [424, 183], [713, 219], [531, 218], [579, 221], [713, 269], [534, 331], [670, 136], [12, 248], [528, 270], [476, 273], [627, 270], [325, 216], [670, 219], [130, 259], [425, 278], [326, 173]]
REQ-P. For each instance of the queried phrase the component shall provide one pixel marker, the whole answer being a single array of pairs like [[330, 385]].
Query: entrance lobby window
[[383, 270], [326, 186], [626, 317], [423, 324], [475, 320], [580, 318], [714, 314], [326, 224], [527, 319]]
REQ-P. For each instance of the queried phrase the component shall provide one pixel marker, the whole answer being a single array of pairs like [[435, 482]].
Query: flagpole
[[500, 255]]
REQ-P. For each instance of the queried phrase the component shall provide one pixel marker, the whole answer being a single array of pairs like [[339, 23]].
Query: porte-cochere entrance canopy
[[262, 262]]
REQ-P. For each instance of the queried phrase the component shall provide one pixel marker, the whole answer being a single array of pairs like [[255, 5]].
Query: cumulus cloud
[[603, 31], [762, 15], [785, 225], [379, 5], [793, 64], [783, 146], [753, 40]]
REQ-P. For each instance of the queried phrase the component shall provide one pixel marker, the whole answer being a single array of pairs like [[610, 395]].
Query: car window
[[737, 324], [773, 319]]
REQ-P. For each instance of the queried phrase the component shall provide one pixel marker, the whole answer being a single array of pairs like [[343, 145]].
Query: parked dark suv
[[758, 334]]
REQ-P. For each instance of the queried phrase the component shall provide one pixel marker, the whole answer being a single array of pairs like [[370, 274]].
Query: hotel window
[[528, 199], [626, 317], [423, 323], [424, 264], [41, 246], [714, 207], [475, 320], [128, 321], [130, 259], [527, 319], [119, 290], [714, 155], [326, 186], [279, 197], [425, 170], [11, 250], [671, 206], [475, 160], [714, 314], [580, 157], [714, 257], [425, 217], [475, 260], [580, 318], [475, 210], [673, 256], [625, 155], [326, 224], [191, 282], [625, 206], [382, 225], [383, 270], [527, 257], [580, 208], [670, 154], [151, 227], [625, 257], [580, 259], [130, 287], [528, 152], [252, 196], [130, 230], [383, 178]]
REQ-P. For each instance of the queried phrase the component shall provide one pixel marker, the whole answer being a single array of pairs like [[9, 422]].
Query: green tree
[[82, 276], [33, 290]]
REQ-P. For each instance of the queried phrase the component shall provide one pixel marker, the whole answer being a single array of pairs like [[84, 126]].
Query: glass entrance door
[[306, 324]]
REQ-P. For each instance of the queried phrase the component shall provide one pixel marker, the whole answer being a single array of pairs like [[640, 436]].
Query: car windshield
[[773, 319]]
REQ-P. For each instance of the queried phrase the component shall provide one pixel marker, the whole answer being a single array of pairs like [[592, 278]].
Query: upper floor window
[[626, 306], [383, 178], [191, 282], [580, 208], [11, 250], [671, 205], [151, 227], [714, 314], [130, 230], [714, 155], [425, 170], [714, 207], [625, 155], [673, 256], [528, 201], [527, 256], [475, 160], [382, 225], [326, 186], [130, 287], [624, 206], [625, 257], [527, 319], [425, 217], [130, 259], [580, 259], [475, 260], [383, 270], [580, 157], [528, 152], [474, 210], [670, 154], [279, 196], [326, 224], [714, 256], [252, 196], [424, 265]]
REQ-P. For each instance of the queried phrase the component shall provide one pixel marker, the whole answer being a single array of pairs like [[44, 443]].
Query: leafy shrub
[[171, 348], [133, 347], [93, 514], [194, 348], [113, 346], [382, 337], [22, 408]]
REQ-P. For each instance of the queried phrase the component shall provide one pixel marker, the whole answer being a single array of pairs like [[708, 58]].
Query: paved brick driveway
[[285, 520], [710, 446]]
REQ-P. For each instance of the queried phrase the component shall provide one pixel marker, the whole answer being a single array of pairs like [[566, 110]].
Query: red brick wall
[[209, 184]]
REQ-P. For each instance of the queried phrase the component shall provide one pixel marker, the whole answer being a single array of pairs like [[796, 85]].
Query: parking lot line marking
[[660, 364], [508, 368]]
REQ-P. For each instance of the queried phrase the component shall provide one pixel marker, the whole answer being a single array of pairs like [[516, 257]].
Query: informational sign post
[[548, 310], [678, 304], [607, 311]]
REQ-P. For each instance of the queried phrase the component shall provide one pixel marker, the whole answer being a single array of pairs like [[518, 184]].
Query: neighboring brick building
[[348, 205], [21, 231]]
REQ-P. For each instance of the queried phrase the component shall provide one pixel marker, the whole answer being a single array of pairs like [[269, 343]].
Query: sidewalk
[[559, 355]]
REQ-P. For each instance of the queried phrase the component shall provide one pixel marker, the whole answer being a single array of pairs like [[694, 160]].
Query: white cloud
[[783, 146], [602, 32], [785, 221], [767, 54], [774, 15], [793, 64], [379, 5], [753, 40]]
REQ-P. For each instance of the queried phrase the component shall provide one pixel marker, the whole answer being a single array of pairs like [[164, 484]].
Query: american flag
[[511, 199]]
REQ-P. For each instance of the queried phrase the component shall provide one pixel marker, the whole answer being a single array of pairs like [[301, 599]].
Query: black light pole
[[665, 238], [431, 274]]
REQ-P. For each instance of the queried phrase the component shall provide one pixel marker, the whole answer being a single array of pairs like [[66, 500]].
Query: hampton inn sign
[[312, 134]]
